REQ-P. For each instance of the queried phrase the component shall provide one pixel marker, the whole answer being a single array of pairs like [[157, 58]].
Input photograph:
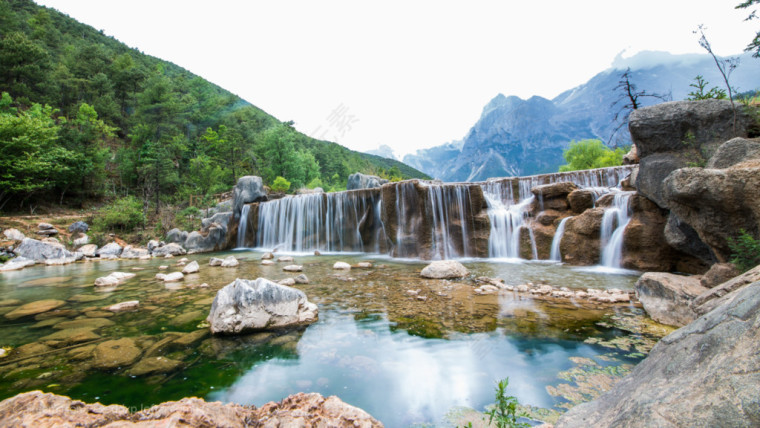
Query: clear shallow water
[[402, 359]]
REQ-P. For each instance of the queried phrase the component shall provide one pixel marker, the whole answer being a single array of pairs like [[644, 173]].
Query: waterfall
[[555, 253], [509, 200], [448, 207], [330, 222], [507, 220], [243, 226], [614, 221]]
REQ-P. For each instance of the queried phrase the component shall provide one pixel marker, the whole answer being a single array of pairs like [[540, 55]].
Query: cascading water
[[508, 212], [327, 222], [614, 221], [448, 207], [555, 254], [243, 226]]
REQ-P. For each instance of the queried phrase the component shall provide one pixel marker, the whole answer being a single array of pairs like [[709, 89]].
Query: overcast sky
[[409, 74]]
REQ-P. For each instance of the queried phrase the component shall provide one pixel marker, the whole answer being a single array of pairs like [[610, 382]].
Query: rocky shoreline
[[46, 410]]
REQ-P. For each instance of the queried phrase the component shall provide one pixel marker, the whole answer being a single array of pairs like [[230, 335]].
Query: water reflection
[[403, 379]]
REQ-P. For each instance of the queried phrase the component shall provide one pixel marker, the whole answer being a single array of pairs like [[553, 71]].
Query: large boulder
[[13, 234], [16, 263], [580, 244], [169, 249], [718, 274], [130, 252], [682, 237], [176, 236], [733, 152], [358, 181], [248, 305], [710, 299], [40, 251], [442, 269], [677, 134], [672, 126], [717, 203], [249, 188], [221, 219], [667, 297], [212, 239], [111, 249], [79, 227], [706, 374]]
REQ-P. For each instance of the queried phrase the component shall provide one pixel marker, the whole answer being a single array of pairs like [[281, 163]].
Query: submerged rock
[[34, 308], [444, 269], [114, 278], [666, 297], [124, 306], [259, 305], [112, 354], [704, 374], [153, 365]]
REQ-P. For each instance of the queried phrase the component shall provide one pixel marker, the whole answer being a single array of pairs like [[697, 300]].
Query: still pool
[[405, 358]]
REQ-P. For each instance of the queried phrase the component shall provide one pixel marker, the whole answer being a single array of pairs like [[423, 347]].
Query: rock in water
[[193, 267], [341, 266], [116, 353], [230, 261], [444, 269], [293, 268], [34, 308], [706, 374], [666, 297], [40, 251], [259, 305]]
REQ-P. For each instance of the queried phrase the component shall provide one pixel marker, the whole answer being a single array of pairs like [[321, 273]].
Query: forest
[[85, 118]]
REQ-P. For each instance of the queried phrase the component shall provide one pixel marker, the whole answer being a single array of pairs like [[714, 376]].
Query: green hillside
[[85, 117]]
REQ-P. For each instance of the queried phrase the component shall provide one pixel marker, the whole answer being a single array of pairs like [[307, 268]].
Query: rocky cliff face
[[704, 374], [516, 137]]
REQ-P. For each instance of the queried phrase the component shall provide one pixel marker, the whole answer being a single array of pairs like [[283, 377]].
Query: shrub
[[123, 214], [587, 154], [280, 185], [188, 218], [504, 411], [745, 251]]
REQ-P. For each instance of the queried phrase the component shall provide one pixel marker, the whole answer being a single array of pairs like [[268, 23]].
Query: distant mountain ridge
[[524, 137]]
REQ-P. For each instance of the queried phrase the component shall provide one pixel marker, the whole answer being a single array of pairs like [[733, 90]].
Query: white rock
[[16, 264], [124, 306], [13, 234], [287, 281], [191, 268], [230, 261], [285, 259], [174, 277], [364, 265], [163, 267], [293, 268], [342, 266], [259, 305], [302, 279], [81, 241], [267, 256], [267, 263], [441, 269], [214, 261], [89, 250], [114, 278]]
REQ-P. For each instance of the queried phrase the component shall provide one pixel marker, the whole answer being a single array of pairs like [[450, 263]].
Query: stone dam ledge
[[46, 410]]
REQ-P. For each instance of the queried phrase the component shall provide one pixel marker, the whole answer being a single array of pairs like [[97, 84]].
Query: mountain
[[120, 122], [384, 151], [431, 160], [524, 137]]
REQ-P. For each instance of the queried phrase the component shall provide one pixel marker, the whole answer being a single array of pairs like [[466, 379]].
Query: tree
[[30, 158], [754, 45], [588, 154], [630, 99], [700, 85], [23, 65], [726, 66], [280, 185]]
